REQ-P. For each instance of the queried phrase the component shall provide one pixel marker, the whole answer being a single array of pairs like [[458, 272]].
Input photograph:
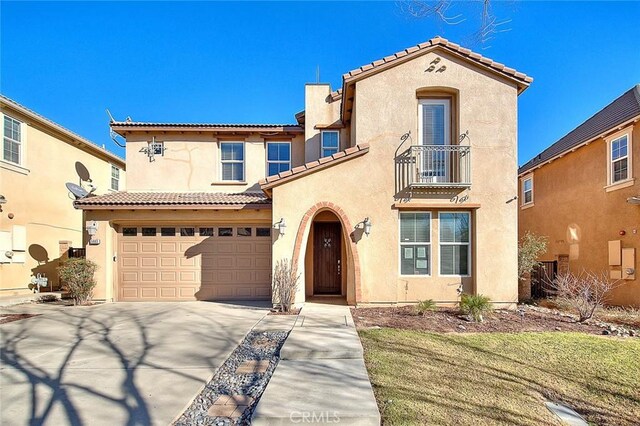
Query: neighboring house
[[583, 194], [38, 223], [395, 188]]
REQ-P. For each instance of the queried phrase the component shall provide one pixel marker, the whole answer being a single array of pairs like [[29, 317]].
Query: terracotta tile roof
[[92, 146], [314, 166], [623, 109], [453, 47], [126, 199]]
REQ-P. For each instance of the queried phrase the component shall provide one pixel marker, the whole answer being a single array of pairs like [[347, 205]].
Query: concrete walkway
[[321, 377]]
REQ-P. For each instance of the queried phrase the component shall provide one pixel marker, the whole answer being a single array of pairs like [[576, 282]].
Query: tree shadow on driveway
[[116, 363]]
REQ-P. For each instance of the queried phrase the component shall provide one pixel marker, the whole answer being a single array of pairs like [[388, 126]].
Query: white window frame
[[524, 202], [117, 178], [322, 147], [20, 143], [468, 244], [447, 117], [277, 161], [243, 162], [430, 244], [609, 140]]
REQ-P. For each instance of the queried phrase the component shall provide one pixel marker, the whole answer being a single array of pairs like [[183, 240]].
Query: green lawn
[[500, 378]]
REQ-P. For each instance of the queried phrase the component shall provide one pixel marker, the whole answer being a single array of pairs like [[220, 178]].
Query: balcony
[[434, 166]]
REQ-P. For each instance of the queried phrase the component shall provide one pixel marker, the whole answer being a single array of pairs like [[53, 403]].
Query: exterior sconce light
[[367, 226], [634, 200], [92, 228], [281, 226], [2, 201]]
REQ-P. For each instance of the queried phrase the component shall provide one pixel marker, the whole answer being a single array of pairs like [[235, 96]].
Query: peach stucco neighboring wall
[[365, 187], [192, 160], [569, 193], [39, 201]]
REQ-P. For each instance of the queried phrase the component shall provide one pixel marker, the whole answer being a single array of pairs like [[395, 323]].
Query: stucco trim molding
[[304, 227], [436, 206]]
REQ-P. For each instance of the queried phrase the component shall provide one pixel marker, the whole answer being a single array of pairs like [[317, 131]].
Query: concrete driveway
[[114, 364]]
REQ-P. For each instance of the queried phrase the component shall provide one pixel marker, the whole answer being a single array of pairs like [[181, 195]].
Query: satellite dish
[[76, 190]]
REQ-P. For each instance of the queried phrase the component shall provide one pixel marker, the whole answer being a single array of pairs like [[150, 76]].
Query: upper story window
[[12, 140], [330, 143], [415, 243], [434, 121], [455, 244], [232, 159], [115, 178], [278, 157], [619, 159], [527, 190]]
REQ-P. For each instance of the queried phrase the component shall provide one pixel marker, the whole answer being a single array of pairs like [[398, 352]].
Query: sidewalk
[[321, 377]]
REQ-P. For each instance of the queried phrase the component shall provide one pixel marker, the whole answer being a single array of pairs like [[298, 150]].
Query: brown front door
[[327, 258]]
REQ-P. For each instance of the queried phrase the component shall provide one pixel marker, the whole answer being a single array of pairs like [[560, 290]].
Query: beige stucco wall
[[38, 200], [570, 193], [386, 108], [109, 223], [320, 111], [191, 162]]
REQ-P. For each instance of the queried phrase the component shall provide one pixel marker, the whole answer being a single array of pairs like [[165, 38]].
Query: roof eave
[[252, 206], [90, 146]]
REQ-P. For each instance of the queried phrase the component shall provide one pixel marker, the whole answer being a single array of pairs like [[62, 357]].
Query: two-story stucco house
[[583, 194], [38, 223], [395, 188]]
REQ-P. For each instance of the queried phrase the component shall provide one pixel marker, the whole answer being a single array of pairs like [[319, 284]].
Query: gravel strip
[[255, 346]]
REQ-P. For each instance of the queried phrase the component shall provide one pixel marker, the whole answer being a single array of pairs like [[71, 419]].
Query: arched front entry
[[330, 256]]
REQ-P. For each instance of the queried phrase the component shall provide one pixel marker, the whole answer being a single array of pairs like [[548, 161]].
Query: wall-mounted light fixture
[[281, 226], [2, 201], [367, 226], [634, 200]]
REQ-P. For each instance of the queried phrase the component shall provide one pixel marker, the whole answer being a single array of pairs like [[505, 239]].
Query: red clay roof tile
[[155, 199]]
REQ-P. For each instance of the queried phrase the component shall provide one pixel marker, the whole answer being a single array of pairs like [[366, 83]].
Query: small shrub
[[285, 284], [475, 306], [530, 249], [583, 293], [425, 306], [77, 276]]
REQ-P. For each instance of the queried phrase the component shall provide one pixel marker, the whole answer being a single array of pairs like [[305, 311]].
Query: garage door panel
[[244, 262], [187, 292], [188, 261], [244, 248], [149, 292], [168, 262], [149, 262], [129, 292], [170, 292], [169, 247], [263, 248], [129, 276], [188, 268], [187, 276], [168, 276], [263, 263], [130, 262], [149, 247], [129, 247]]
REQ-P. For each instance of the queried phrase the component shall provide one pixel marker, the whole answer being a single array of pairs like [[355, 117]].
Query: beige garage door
[[167, 262]]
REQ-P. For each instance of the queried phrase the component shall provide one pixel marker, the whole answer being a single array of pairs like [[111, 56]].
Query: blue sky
[[248, 62]]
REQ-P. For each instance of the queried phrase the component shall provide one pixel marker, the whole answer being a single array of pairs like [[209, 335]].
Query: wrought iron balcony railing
[[439, 166]]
